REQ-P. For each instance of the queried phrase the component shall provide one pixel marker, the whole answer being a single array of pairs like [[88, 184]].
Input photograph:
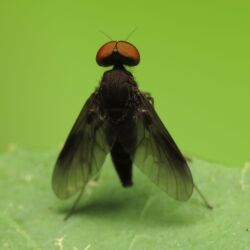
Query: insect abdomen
[[123, 164]]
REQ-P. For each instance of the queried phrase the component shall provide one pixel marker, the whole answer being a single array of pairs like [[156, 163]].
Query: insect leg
[[189, 159], [149, 97], [146, 116], [71, 211], [203, 197]]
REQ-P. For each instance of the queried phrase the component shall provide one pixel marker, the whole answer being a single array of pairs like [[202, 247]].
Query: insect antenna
[[130, 34], [105, 34]]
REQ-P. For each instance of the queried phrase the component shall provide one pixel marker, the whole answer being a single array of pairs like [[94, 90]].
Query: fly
[[121, 120]]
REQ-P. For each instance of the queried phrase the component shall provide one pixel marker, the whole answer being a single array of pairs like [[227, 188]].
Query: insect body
[[120, 119]]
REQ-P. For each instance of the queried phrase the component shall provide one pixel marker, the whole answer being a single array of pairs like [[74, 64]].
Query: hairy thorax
[[116, 93]]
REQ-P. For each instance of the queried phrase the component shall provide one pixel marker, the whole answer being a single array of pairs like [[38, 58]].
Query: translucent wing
[[158, 156], [84, 152]]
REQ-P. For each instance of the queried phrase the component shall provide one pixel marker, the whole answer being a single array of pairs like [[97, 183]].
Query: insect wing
[[158, 156], [84, 152]]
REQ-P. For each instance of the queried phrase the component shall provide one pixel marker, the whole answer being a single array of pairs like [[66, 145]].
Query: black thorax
[[116, 94]]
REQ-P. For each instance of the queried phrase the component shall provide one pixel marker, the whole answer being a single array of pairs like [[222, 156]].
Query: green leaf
[[111, 217]]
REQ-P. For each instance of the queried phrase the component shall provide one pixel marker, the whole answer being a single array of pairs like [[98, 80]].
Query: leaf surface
[[111, 217]]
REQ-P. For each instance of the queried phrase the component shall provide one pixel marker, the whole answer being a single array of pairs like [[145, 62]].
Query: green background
[[194, 61]]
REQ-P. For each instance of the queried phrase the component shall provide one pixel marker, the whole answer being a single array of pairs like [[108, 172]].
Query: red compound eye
[[117, 52]]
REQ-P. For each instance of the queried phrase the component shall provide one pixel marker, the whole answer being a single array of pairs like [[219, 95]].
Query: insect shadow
[[137, 206]]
